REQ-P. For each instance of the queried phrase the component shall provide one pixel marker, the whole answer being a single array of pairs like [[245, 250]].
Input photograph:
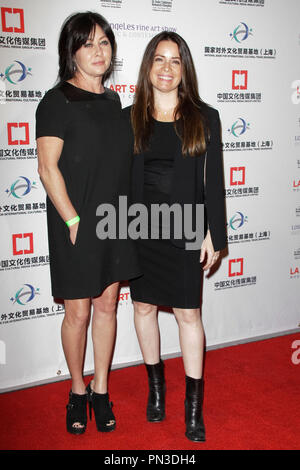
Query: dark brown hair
[[74, 34], [192, 127]]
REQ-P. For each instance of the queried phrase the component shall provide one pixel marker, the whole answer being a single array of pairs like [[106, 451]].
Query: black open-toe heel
[[76, 413], [104, 417]]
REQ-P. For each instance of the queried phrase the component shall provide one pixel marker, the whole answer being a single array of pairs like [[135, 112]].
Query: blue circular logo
[[237, 220], [21, 187], [16, 72], [241, 33], [239, 127], [25, 294]]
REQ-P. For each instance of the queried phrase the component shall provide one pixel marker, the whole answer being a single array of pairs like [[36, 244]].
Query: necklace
[[166, 115], [164, 112]]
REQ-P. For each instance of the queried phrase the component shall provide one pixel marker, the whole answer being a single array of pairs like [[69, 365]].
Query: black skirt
[[172, 276]]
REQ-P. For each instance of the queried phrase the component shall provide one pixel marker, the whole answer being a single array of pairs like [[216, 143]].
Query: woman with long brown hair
[[177, 158]]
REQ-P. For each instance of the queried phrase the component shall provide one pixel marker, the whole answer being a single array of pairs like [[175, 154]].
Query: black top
[[187, 186], [95, 171], [159, 163]]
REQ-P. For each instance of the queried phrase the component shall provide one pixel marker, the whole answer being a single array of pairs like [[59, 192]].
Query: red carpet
[[252, 401]]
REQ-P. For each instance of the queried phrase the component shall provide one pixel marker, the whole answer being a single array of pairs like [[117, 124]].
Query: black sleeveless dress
[[95, 171]]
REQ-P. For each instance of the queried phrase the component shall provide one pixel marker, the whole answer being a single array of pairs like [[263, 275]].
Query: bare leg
[[73, 333], [147, 329], [191, 336], [103, 334]]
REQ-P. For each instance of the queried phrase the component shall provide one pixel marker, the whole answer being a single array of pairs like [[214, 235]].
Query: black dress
[[95, 171], [171, 275]]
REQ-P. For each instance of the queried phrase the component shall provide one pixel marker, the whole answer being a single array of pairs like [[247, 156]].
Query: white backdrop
[[246, 54]]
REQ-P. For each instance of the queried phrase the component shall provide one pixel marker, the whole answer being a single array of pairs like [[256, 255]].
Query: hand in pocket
[[73, 233]]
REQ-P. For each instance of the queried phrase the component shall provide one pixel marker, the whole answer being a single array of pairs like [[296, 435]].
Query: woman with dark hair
[[177, 158], [80, 165]]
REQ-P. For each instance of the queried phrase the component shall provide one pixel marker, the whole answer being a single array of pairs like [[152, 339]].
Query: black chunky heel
[[104, 417], [76, 413], [157, 390]]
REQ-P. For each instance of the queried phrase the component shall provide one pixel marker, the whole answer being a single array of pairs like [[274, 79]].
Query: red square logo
[[237, 175], [6, 18], [236, 267], [11, 126], [22, 243], [239, 79]]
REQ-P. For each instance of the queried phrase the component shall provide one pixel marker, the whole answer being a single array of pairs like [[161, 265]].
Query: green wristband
[[73, 221]]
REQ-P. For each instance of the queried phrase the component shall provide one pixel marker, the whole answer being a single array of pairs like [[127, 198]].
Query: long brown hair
[[192, 127]]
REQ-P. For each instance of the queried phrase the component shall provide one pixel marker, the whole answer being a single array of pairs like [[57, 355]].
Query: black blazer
[[188, 180]]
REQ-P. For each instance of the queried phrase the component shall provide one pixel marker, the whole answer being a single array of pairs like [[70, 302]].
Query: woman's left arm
[[215, 239]]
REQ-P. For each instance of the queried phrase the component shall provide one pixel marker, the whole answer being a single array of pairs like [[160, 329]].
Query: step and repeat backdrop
[[247, 56]]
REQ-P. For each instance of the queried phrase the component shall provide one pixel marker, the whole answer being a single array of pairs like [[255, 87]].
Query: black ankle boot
[[157, 389], [195, 430]]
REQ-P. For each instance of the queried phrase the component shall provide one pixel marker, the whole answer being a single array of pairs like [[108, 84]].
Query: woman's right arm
[[49, 151]]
